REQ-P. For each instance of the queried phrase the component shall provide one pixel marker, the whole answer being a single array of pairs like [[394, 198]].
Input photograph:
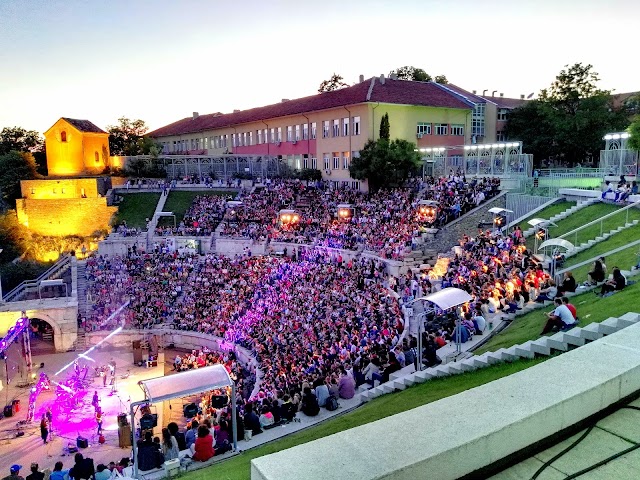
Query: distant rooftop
[[84, 125]]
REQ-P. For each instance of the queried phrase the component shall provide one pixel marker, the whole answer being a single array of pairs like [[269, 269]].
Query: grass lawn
[[590, 309], [179, 202], [615, 241], [547, 212], [624, 259], [238, 467], [135, 208], [586, 215]]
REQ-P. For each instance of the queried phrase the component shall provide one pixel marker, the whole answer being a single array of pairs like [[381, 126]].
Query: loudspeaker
[[82, 442], [219, 401], [137, 351], [8, 411], [124, 436], [190, 410], [72, 448], [148, 421]]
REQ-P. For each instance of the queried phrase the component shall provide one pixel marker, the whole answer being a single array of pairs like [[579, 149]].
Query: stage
[[71, 421]]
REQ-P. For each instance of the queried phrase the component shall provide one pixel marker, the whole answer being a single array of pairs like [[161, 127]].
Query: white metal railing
[[600, 221], [54, 272]]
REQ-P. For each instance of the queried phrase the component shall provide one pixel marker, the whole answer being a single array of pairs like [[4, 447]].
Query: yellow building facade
[[76, 147]]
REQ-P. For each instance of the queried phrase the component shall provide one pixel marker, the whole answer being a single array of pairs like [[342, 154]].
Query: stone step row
[[545, 346], [562, 215]]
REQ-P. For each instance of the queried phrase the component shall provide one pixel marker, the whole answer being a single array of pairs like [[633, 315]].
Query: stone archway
[[42, 336]]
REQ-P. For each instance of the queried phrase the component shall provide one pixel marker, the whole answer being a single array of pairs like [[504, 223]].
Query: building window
[[356, 126], [355, 185], [225, 141], [305, 162], [279, 139], [249, 138], [501, 137], [272, 134], [336, 160], [233, 140], [477, 120], [325, 129], [313, 130], [33, 191], [345, 160], [259, 136], [442, 129], [423, 128], [314, 163], [63, 136], [297, 137], [502, 114], [457, 130], [289, 133], [265, 138], [305, 131], [345, 127], [327, 165], [96, 156], [336, 128]]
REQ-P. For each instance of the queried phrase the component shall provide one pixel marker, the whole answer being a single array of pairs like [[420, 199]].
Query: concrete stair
[[544, 346], [562, 215]]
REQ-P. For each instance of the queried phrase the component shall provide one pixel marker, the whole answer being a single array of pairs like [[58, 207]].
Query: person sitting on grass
[[560, 318], [548, 293], [597, 273], [618, 282], [568, 284], [571, 307]]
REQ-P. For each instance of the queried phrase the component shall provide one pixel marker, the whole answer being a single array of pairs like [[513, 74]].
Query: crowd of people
[[201, 219]]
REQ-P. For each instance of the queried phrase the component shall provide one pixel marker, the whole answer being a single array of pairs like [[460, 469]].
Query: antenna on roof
[[530, 95]]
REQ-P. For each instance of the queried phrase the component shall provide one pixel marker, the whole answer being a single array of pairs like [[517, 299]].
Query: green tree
[[385, 163], [385, 127], [126, 137], [15, 166], [416, 75], [20, 140], [334, 83], [569, 118], [634, 132]]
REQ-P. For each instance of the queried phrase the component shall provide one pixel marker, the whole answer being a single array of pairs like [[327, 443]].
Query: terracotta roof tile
[[84, 125], [393, 91]]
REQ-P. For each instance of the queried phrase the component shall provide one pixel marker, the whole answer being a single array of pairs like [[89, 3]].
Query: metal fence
[[521, 204]]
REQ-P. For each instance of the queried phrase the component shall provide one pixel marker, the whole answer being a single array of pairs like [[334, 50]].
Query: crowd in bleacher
[[201, 219]]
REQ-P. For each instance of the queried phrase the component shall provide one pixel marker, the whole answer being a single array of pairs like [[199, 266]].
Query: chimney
[[195, 115], [474, 91], [382, 79], [361, 78], [522, 97], [484, 92], [501, 95], [393, 76], [493, 94], [236, 111], [284, 100]]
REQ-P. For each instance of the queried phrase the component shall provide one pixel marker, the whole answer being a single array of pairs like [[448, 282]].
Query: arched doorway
[[42, 334]]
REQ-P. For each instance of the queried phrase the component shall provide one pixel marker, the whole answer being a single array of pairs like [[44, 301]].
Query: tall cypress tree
[[385, 127]]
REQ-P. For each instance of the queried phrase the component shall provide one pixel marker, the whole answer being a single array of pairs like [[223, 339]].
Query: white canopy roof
[[186, 383], [448, 297], [428, 202], [557, 242], [498, 210], [534, 222]]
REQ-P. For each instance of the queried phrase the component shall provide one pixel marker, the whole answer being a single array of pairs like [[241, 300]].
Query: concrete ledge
[[536, 403]]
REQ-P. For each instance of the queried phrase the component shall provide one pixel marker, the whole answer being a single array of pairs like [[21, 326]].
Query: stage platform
[[69, 423]]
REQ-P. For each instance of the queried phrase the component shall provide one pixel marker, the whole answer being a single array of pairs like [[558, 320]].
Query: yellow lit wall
[[78, 153], [65, 216], [57, 189]]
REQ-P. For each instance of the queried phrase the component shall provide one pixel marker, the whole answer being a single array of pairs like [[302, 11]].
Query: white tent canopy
[[448, 298], [186, 383], [557, 242], [498, 210], [542, 222]]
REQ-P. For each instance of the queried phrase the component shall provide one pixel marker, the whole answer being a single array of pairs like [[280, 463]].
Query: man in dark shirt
[[13, 473], [83, 469], [35, 474]]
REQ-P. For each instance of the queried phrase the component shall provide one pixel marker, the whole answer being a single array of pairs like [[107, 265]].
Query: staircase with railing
[[29, 289]]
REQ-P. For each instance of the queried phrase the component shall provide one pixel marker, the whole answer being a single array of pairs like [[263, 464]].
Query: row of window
[[306, 131], [424, 128], [338, 160]]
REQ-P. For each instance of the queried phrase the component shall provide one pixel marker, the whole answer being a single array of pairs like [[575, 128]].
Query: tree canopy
[[416, 75], [634, 132], [385, 127], [569, 118], [20, 140], [127, 137], [15, 166], [385, 163], [334, 83]]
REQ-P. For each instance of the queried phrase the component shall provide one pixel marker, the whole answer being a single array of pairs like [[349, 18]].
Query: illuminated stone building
[[76, 147]]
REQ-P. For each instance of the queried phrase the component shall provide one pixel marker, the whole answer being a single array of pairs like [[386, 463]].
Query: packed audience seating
[[201, 219]]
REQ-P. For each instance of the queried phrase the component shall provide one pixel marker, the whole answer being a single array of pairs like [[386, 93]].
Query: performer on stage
[[99, 420], [103, 374], [96, 400], [44, 430], [49, 417]]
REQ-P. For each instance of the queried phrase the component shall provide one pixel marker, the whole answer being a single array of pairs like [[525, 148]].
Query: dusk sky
[[161, 60]]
